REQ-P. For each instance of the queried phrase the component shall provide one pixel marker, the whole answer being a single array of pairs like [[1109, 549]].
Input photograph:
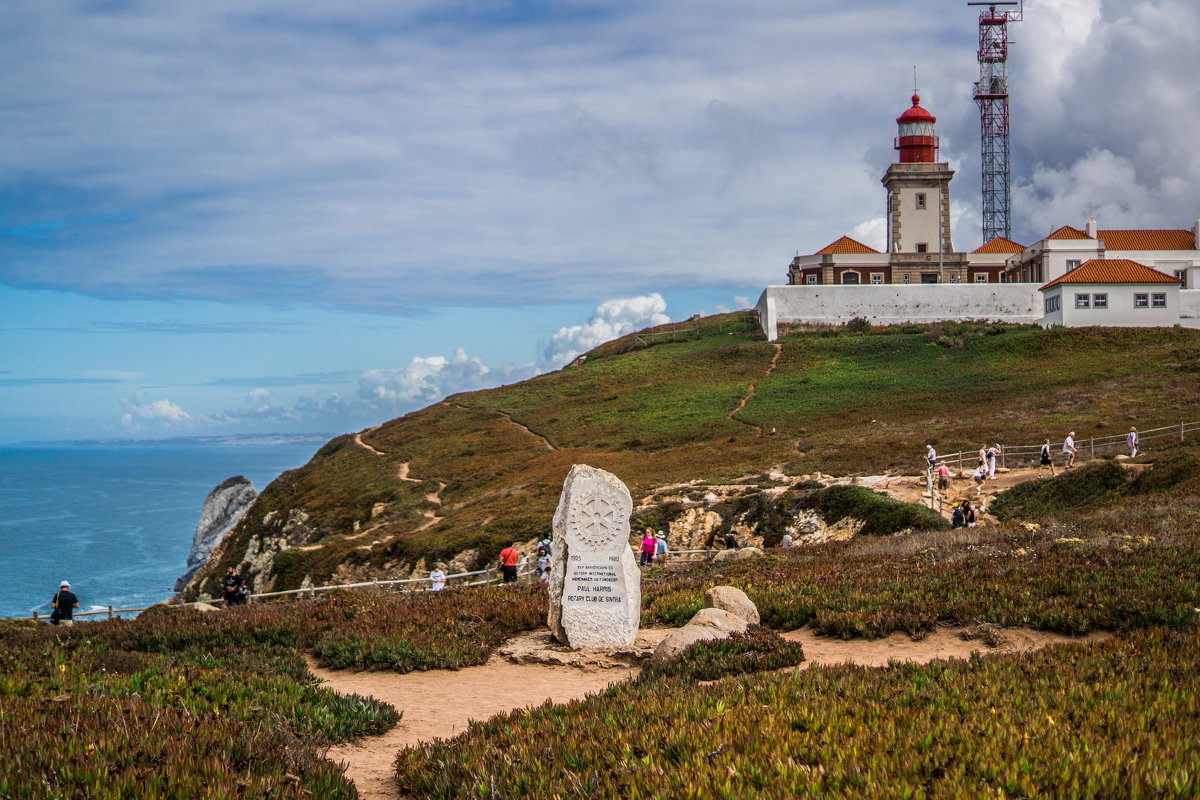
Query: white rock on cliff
[[224, 506]]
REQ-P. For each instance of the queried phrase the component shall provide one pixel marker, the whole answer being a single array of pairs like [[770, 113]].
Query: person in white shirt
[[930, 456], [992, 452], [1069, 449], [437, 579], [1133, 442]]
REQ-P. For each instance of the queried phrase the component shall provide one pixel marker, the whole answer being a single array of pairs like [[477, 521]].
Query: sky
[[267, 216]]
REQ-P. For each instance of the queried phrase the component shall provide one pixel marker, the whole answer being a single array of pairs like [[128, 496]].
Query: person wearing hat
[[1132, 441], [64, 603], [1069, 449]]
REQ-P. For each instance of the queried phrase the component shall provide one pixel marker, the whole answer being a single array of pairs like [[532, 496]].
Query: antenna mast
[[991, 94]]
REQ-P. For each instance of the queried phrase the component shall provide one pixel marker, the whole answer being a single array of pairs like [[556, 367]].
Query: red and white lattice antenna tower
[[991, 94]]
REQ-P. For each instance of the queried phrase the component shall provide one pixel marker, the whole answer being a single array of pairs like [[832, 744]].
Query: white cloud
[[742, 303], [612, 318], [428, 379], [160, 412]]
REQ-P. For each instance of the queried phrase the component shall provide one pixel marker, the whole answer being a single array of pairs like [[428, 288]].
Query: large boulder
[[706, 625], [733, 600], [223, 508], [740, 554]]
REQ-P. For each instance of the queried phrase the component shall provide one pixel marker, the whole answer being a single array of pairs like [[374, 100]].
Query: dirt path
[[750, 391], [439, 704], [359, 441]]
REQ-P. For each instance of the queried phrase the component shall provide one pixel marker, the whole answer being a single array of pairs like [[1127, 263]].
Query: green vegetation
[[1115, 720], [656, 410], [880, 514], [1063, 493], [757, 650], [181, 704]]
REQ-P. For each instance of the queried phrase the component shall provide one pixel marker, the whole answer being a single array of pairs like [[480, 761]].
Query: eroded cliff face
[[223, 508]]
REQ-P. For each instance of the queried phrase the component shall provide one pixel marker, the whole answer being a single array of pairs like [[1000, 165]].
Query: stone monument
[[595, 583]]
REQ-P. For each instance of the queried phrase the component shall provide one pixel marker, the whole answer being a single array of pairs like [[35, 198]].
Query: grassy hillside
[[462, 477]]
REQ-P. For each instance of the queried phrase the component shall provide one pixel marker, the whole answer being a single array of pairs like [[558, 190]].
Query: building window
[[1083, 301], [906, 278], [922, 247], [954, 277], [1141, 300], [1072, 263], [1158, 300], [981, 277], [811, 280], [1181, 276], [929, 277], [850, 277], [920, 199], [1100, 300], [876, 278], [1052, 303]]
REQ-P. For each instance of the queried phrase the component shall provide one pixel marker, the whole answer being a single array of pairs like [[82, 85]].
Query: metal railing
[[1085, 450], [526, 568]]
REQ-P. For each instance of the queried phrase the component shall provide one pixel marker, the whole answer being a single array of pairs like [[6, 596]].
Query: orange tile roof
[[1067, 232], [1112, 270], [1148, 239], [845, 245], [999, 245]]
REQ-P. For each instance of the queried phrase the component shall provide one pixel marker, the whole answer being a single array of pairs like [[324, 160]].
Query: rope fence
[[526, 569]]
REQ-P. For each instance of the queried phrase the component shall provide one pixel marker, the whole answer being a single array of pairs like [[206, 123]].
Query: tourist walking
[[437, 579], [983, 456], [543, 564], [731, 542], [1069, 449], [233, 588], [649, 544], [957, 520], [786, 541], [943, 473], [63, 604], [930, 456], [509, 558], [992, 452], [1132, 441], [968, 514], [1047, 461], [661, 548], [980, 476]]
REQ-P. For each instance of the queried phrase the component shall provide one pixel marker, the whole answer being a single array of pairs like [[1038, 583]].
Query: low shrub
[[1070, 490], [880, 514], [757, 650]]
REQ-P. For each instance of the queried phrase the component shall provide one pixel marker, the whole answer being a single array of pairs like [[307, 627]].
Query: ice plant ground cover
[[182, 704], [1120, 719]]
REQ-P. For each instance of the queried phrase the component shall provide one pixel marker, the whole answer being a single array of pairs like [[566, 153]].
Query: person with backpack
[[64, 604], [992, 452], [233, 589], [957, 520], [509, 558], [649, 545], [1047, 461]]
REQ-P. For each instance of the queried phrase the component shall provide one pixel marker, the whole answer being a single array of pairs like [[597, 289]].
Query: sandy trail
[[750, 392], [439, 704]]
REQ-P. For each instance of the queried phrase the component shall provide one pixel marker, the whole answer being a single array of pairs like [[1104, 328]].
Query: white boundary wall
[[893, 304]]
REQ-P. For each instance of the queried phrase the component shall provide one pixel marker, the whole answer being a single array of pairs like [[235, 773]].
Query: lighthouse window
[[922, 247], [920, 199]]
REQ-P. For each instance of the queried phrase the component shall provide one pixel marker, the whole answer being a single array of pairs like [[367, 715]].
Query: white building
[[1114, 292], [1174, 251]]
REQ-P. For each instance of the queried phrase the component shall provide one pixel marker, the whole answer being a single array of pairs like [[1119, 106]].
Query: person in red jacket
[[509, 558]]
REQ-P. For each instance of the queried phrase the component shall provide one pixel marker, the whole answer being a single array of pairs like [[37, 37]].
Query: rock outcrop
[[222, 509]]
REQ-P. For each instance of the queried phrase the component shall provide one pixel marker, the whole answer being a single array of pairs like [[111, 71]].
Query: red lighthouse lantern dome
[[917, 142]]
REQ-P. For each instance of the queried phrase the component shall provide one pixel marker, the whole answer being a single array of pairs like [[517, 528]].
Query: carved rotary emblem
[[597, 522]]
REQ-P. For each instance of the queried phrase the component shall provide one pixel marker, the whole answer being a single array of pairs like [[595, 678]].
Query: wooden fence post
[[1181, 431], [110, 611], [1093, 444]]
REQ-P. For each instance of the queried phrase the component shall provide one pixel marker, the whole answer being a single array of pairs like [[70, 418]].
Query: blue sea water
[[116, 520]]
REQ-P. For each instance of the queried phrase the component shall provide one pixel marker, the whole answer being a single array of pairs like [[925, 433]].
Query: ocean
[[116, 519]]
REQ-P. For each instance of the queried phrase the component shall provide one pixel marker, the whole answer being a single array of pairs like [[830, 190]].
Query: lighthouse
[[918, 202]]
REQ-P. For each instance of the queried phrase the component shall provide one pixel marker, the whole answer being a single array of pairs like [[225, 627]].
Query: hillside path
[[358, 440], [546, 443], [440, 703], [750, 391]]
